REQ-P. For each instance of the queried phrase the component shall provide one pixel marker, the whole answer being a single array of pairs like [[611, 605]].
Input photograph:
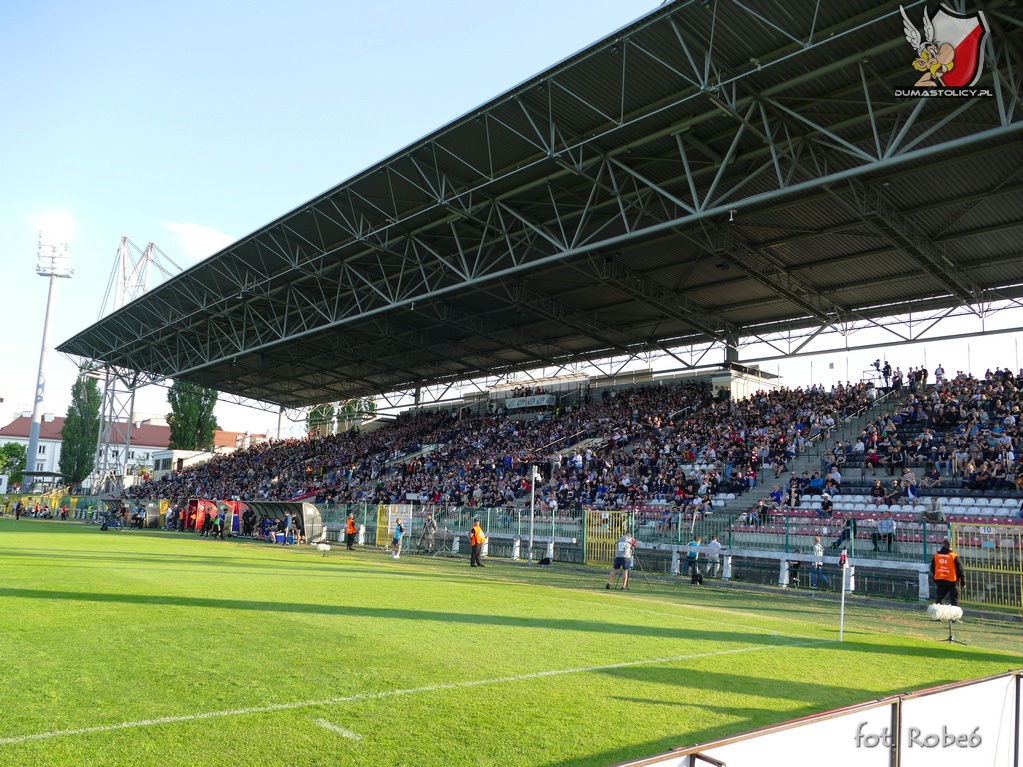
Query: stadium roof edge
[[536, 259]]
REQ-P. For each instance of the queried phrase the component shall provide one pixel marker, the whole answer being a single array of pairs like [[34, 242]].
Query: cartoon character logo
[[950, 52]]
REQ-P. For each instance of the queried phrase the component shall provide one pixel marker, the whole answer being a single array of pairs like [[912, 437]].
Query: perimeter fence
[[973, 722]]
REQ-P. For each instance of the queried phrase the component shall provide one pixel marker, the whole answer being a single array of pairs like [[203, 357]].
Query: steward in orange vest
[[350, 531], [476, 541], [947, 571]]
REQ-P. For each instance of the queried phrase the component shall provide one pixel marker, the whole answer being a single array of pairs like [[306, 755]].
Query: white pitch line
[[393, 693], [339, 730]]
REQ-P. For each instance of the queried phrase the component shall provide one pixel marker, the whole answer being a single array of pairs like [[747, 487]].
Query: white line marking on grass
[[339, 730], [270, 708]]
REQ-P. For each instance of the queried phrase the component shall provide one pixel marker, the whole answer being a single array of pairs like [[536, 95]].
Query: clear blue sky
[[194, 123]]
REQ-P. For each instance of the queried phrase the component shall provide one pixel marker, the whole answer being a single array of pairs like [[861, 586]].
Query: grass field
[[149, 648]]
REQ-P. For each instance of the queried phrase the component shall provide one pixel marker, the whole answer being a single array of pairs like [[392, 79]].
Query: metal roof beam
[[763, 268], [903, 232], [671, 304], [587, 324], [659, 190], [616, 241]]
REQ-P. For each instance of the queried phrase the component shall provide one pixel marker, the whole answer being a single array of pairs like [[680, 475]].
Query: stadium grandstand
[[701, 181], [707, 179]]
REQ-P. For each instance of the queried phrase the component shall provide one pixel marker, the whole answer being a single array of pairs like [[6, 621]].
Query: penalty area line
[[272, 707]]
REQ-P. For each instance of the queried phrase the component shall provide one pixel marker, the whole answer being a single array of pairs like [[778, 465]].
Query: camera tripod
[[618, 573], [950, 639], [418, 548], [444, 548], [642, 570]]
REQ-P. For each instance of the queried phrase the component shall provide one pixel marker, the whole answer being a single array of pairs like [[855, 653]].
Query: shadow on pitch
[[218, 557], [484, 619], [401, 614]]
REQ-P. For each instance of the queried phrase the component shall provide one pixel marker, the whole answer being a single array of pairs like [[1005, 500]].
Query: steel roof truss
[[554, 239], [647, 291], [586, 324], [684, 45], [1006, 83], [777, 27], [651, 185], [812, 336], [905, 234], [709, 194], [540, 230], [538, 140], [477, 325], [376, 248], [762, 268]]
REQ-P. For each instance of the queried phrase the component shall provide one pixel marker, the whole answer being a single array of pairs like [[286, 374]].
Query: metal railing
[[790, 533]]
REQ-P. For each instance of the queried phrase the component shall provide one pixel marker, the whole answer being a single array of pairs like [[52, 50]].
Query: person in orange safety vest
[[476, 541], [350, 531], [947, 571]]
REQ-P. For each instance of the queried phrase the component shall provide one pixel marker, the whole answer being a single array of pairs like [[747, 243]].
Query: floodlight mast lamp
[[52, 262]]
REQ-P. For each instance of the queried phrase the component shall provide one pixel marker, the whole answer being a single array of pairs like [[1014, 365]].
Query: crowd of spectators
[[675, 445], [527, 391], [960, 433]]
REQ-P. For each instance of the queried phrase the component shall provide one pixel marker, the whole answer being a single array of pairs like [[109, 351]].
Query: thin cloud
[[196, 241]]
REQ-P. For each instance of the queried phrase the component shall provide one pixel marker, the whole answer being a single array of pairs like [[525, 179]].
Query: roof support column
[[731, 346]]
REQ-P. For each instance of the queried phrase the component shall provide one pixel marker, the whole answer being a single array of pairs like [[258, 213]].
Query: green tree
[[191, 419], [12, 461], [319, 422], [81, 431]]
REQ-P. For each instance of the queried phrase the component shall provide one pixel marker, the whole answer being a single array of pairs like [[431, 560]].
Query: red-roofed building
[[147, 438]]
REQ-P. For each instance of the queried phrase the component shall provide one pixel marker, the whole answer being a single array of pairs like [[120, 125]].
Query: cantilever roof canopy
[[717, 170]]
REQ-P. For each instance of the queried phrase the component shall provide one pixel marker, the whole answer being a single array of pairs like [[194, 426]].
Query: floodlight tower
[[52, 262], [129, 279]]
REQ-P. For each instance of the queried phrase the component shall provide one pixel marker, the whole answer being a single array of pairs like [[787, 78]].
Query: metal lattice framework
[[713, 173], [129, 280]]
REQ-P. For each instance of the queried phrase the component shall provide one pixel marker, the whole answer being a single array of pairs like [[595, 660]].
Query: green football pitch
[[152, 648]]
